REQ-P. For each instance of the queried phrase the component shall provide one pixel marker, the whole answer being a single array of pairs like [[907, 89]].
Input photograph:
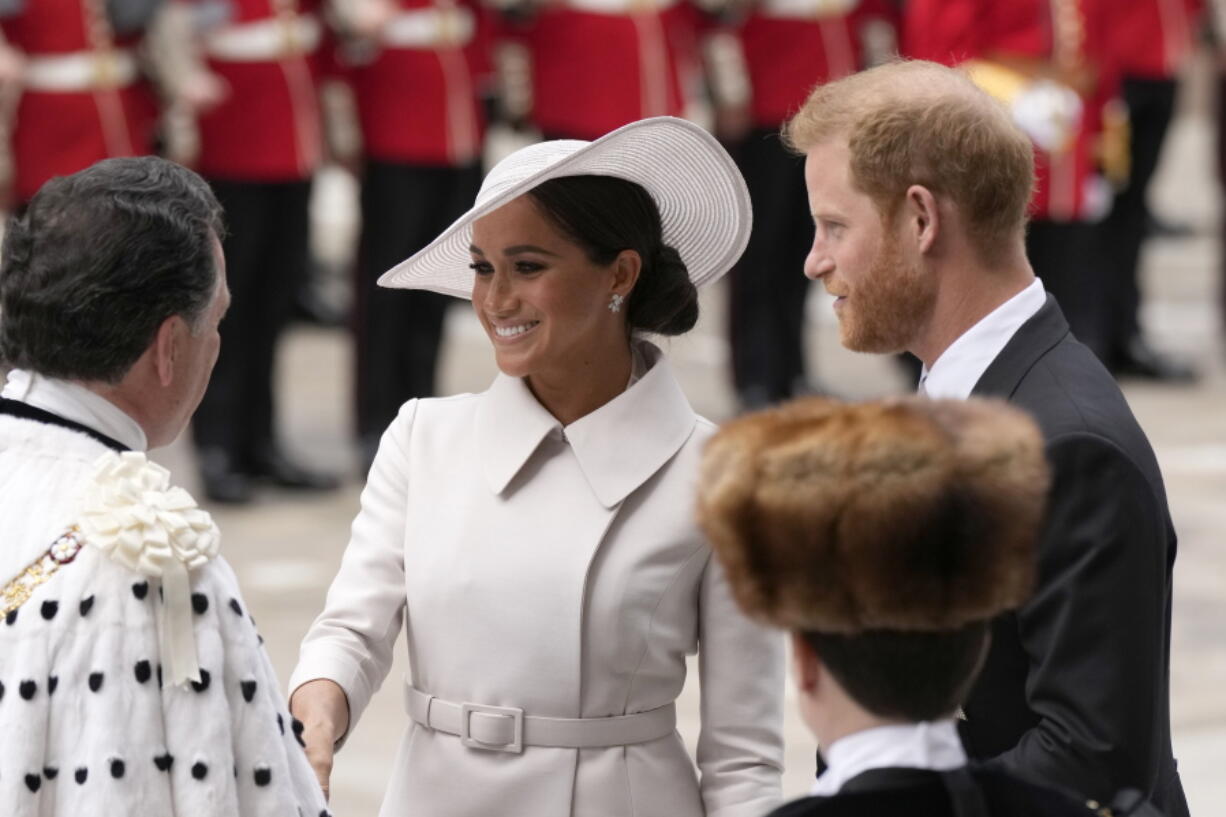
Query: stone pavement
[[286, 548]]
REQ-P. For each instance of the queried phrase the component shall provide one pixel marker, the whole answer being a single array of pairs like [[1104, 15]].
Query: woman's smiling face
[[543, 303]]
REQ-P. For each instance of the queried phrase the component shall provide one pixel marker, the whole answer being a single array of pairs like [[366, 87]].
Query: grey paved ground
[[286, 548]]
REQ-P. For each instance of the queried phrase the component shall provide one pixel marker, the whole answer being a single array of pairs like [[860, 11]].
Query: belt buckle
[[291, 43], [106, 70], [447, 27], [516, 746]]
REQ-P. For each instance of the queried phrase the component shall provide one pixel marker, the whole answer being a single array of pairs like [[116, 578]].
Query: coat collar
[[1033, 340], [619, 446]]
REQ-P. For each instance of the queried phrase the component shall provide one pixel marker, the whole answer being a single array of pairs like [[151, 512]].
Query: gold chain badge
[[62, 551]]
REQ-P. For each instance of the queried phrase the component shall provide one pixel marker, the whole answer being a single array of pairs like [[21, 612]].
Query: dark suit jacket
[[1075, 691], [922, 793]]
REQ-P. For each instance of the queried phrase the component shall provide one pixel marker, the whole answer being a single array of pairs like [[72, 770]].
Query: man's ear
[[806, 667], [166, 348], [626, 269], [923, 217]]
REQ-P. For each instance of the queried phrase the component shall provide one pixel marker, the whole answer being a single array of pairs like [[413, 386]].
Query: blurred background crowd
[[410, 100]]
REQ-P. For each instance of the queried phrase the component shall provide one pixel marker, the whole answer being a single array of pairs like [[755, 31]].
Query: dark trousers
[[397, 331], [1151, 103], [1066, 255], [768, 286], [266, 255], [1221, 152]]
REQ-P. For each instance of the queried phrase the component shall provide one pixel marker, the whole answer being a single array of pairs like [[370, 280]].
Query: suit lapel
[[1033, 340]]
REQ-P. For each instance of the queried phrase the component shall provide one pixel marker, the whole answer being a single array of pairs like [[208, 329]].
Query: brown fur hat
[[908, 514]]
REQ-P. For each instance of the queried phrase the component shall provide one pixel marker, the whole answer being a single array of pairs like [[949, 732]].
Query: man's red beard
[[885, 309]]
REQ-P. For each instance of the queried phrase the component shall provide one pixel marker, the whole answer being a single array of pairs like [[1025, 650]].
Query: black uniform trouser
[[397, 331], [1221, 168], [768, 285], [266, 256], [1151, 103], [1066, 255]]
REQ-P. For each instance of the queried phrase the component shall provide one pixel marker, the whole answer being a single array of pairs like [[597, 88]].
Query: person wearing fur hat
[[884, 537], [536, 540]]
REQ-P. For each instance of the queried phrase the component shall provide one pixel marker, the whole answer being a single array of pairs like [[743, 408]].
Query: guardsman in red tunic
[[1052, 62], [259, 147], [82, 96], [416, 78], [599, 64], [787, 47], [1153, 44]]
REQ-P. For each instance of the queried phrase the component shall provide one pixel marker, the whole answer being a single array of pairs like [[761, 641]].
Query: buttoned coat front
[[557, 570]]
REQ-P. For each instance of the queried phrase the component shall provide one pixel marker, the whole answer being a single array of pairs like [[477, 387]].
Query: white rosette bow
[[132, 513]]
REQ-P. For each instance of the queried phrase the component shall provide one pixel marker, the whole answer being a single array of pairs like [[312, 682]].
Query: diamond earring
[[615, 305]]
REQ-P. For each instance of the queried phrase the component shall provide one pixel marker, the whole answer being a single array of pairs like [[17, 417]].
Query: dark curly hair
[[99, 260], [605, 215]]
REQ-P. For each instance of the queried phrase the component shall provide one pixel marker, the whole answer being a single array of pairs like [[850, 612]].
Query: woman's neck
[[584, 385]]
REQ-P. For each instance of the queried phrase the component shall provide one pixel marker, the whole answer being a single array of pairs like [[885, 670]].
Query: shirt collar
[[617, 446], [959, 367], [933, 745], [73, 401]]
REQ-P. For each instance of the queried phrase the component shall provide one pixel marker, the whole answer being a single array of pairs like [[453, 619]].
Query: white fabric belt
[[80, 71], [429, 27], [508, 729], [264, 40], [619, 6], [806, 9]]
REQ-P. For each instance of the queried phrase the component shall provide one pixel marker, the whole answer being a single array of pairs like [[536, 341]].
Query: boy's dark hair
[[909, 676]]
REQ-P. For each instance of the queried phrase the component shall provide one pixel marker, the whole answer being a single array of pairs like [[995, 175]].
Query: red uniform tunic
[[58, 132], [1155, 36], [790, 46], [1063, 33], [267, 129], [594, 71], [417, 97]]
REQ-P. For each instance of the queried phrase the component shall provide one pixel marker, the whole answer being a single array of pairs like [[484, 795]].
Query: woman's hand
[[323, 708]]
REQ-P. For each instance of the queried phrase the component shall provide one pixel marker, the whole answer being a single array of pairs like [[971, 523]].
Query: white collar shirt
[[75, 402], [959, 367], [931, 745]]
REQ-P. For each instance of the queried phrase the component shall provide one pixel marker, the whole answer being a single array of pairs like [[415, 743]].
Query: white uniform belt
[[429, 28], [264, 40], [619, 6], [80, 71], [508, 729], [806, 9]]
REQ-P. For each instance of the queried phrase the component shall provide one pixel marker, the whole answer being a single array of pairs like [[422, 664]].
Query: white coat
[[559, 571]]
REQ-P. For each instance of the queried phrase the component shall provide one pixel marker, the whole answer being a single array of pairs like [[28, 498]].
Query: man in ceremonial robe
[[132, 679]]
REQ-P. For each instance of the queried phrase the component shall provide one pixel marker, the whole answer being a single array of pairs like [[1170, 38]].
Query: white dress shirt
[[931, 745], [75, 402], [959, 367]]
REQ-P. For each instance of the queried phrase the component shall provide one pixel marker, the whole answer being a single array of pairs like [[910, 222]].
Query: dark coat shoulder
[[924, 795]]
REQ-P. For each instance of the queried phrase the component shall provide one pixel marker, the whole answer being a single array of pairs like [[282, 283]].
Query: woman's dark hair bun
[[606, 215], [664, 300]]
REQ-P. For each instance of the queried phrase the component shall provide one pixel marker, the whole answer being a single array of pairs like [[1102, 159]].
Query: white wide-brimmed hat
[[704, 204]]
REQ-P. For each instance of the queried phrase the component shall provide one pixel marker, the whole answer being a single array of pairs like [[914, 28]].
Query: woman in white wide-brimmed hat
[[538, 539]]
